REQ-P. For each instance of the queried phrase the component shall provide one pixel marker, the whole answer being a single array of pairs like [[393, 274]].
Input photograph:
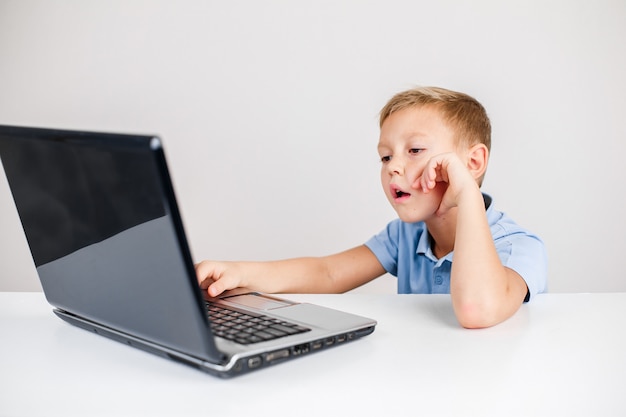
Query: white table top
[[560, 355]]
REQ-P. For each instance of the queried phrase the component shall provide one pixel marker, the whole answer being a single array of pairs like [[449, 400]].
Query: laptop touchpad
[[257, 301]]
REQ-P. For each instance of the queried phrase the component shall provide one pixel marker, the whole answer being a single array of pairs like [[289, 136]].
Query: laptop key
[[246, 328]]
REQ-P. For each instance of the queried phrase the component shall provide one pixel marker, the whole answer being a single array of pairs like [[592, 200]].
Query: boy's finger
[[205, 272], [221, 284]]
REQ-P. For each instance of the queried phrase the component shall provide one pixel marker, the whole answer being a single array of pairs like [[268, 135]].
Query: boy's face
[[408, 139]]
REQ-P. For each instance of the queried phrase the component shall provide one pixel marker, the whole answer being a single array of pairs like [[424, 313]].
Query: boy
[[434, 147]]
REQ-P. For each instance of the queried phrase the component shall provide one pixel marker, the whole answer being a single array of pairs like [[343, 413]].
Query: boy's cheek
[[417, 184], [416, 176], [432, 200]]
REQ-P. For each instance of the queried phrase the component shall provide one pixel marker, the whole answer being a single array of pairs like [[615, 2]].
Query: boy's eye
[[385, 158], [415, 150]]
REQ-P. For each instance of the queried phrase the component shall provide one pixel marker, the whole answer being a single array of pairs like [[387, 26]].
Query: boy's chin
[[414, 216]]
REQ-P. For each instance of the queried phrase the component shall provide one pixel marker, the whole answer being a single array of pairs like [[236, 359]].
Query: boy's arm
[[329, 274], [483, 291]]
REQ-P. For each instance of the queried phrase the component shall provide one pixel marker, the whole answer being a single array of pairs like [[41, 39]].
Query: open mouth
[[397, 193]]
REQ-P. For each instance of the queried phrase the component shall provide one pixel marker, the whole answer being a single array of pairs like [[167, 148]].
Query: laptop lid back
[[104, 230]]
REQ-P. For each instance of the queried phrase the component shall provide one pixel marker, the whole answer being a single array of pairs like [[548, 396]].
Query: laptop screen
[[71, 194], [102, 223]]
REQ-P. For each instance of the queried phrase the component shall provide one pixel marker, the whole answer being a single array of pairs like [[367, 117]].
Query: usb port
[[317, 345], [341, 338]]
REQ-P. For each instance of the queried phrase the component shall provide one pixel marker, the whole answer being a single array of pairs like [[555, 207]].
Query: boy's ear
[[477, 158]]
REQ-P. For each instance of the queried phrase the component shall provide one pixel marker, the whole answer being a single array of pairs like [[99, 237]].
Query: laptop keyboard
[[247, 328]]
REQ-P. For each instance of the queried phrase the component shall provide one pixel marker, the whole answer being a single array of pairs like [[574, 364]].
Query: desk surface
[[561, 354]]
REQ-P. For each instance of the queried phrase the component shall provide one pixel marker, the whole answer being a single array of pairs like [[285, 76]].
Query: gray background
[[268, 111]]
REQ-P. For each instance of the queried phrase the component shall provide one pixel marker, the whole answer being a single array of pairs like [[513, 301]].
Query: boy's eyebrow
[[382, 146]]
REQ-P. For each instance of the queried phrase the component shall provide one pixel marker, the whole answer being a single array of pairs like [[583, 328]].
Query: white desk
[[560, 355]]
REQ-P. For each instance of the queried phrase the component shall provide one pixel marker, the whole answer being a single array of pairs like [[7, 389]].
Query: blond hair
[[464, 114]]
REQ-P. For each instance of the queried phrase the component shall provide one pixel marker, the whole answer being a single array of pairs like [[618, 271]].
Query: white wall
[[268, 111]]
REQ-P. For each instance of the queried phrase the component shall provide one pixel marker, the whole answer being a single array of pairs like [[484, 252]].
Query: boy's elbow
[[480, 310], [475, 316]]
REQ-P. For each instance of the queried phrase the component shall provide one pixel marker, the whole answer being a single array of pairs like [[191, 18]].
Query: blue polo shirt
[[404, 250]]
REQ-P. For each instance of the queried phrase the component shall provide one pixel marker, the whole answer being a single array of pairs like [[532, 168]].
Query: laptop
[[103, 226]]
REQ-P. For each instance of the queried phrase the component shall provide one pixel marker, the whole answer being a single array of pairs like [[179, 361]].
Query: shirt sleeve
[[384, 245], [526, 255]]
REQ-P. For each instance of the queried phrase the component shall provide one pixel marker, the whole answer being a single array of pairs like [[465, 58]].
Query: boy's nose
[[395, 166]]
